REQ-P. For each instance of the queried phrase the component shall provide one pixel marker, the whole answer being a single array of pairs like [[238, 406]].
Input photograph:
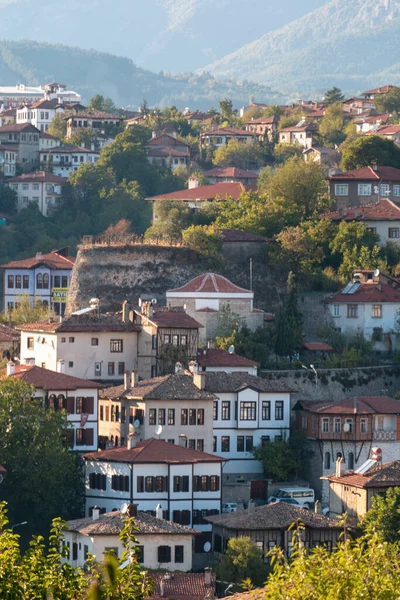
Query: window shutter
[[126, 483], [176, 516], [186, 483], [88, 437], [165, 484], [70, 405], [140, 484], [69, 437], [104, 482], [165, 515], [88, 405], [92, 480], [217, 483], [185, 517], [160, 555], [113, 482]]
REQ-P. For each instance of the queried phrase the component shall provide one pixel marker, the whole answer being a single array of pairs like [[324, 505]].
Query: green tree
[[242, 156], [205, 239], [82, 137], [8, 200], [286, 458], [58, 127], [282, 153], [305, 247], [227, 322], [289, 322], [368, 150], [98, 102], [226, 109], [255, 345], [389, 102], [242, 560], [44, 477], [332, 125], [170, 219], [333, 96], [26, 312]]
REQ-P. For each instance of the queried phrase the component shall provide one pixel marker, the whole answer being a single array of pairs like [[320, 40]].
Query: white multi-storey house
[[40, 187], [67, 158], [160, 543], [92, 345], [47, 141], [79, 398], [216, 360], [186, 483], [223, 135], [8, 161], [40, 114], [22, 94], [43, 277]]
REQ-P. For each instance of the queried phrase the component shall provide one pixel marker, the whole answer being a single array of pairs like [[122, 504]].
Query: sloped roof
[[279, 515], [384, 89], [205, 192], [174, 317], [384, 173], [384, 210], [82, 323], [386, 475], [215, 357], [305, 127], [227, 131], [386, 130], [368, 292], [263, 120], [39, 176], [166, 151], [153, 451], [181, 586], [176, 386], [210, 283], [68, 149], [317, 347], [53, 260], [364, 405], [112, 523], [96, 114], [8, 334], [233, 172], [221, 382], [16, 127], [45, 379]]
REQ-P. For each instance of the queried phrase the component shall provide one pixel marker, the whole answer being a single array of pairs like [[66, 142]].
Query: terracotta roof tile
[[221, 382], [16, 127], [39, 176], [367, 293], [215, 357], [384, 210], [383, 173], [96, 114], [153, 451], [174, 317], [232, 172], [45, 379], [53, 259], [386, 475], [362, 404], [206, 192], [210, 283], [182, 586], [167, 151], [227, 131], [68, 149], [9, 334], [317, 347], [176, 386], [82, 323]]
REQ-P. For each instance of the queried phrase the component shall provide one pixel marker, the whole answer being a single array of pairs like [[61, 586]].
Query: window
[[214, 483], [149, 484], [181, 483], [167, 338], [350, 461], [25, 282], [240, 443], [30, 343], [175, 340], [140, 554], [364, 189], [10, 281], [363, 426], [171, 416], [200, 445], [116, 346], [153, 371], [279, 410], [161, 416], [249, 443], [377, 311], [70, 364], [192, 416], [336, 310], [396, 190], [179, 554], [371, 230], [349, 422], [352, 311], [341, 189], [101, 413], [25, 186], [18, 281], [164, 554], [200, 416], [121, 368], [64, 281], [10, 306], [71, 340], [337, 425], [266, 410], [384, 189], [215, 410], [63, 340], [160, 483], [120, 483], [152, 416], [184, 416], [154, 342], [248, 411], [183, 340], [39, 281], [74, 551], [123, 417], [97, 481], [325, 425], [394, 233], [45, 281], [79, 405], [192, 444], [111, 368], [265, 439], [225, 443], [327, 461], [214, 443], [84, 437], [95, 341], [97, 369], [226, 410]]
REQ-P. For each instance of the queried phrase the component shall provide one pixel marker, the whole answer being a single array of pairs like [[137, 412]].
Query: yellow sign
[[59, 294]]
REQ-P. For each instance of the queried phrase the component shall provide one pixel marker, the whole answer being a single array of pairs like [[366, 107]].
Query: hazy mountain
[[349, 43], [90, 72], [171, 35]]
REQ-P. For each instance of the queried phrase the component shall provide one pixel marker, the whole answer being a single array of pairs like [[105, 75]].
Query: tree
[[227, 322], [383, 518], [8, 200], [286, 458], [44, 477], [368, 150], [289, 323], [98, 102], [58, 127], [82, 137], [203, 239], [333, 96], [255, 345], [242, 560], [26, 312], [389, 102], [235, 154], [356, 246], [226, 109], [282, 153], [170, 219], [332, 124]]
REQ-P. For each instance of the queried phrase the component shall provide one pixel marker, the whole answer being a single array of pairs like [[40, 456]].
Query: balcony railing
[[380, 435]]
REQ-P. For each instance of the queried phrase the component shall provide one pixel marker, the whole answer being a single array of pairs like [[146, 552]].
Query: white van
[[301, 495]]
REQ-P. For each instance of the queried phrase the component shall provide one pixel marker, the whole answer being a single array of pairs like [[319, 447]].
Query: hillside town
[[200, 333]]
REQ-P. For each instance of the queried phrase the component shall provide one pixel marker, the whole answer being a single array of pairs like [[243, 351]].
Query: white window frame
[[364, 189], [394, 230], [384, 189], [341, 189], [337, 425], [336, 310], [396, 190], [363, 425], [325, 424]]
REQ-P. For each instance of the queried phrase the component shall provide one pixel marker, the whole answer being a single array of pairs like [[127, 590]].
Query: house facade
[[44, 277], [39, 114], [168, 151], [41, 187], [264, 127], [347, 430], [303, 134], [220, 175], [368, 305], [59, 391], [214, 360], [223, 135], [24, 139], [366, 185], [47, 141], [96, 120], [8, 161], [67, 158], [186, 483]]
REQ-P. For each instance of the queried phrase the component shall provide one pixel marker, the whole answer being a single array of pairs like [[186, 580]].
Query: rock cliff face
[[117, 273]]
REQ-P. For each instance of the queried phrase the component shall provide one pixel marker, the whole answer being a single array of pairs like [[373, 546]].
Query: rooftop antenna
[[158, 430]]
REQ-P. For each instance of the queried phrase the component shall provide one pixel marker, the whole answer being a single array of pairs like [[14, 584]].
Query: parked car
[[292, 501], [229, 507], [305, 497]]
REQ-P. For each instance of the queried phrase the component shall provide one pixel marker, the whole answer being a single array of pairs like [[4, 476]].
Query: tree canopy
[[368, 150], [333, 95], [243, 560]]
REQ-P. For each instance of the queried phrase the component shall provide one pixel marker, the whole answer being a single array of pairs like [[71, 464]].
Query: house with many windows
[[186, 483], [166, 150], [366, 185], [40, 114], [264, 127], [24, 139], [8, 160], [347, 430], [41, 187], [44, 277], [67, 158], [369, 305], [304, 134], [59, 391], [223, 135], [96, 120]]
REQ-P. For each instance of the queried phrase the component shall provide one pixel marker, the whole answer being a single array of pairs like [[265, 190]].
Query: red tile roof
[[381, 117], [227, 131], [96, 114], [174, 317], [206, 192], [167, 151], [384, 210], [215, 357], [233, 172], [39, 176], [367, 293], [384, 89], [16, 127], [153, 451], [317, 347], [383, 173], [368, 405], [83, 323], [306, 127], [386, 130], [68, 149], [45, 379], [386, 475], [210, 283], [182, 586], [9, 334], [263, 120], [53, 260]]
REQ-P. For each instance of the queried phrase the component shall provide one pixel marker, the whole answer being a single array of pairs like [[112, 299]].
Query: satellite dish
[[231, 349], [136, 423], [377, 273], [207, 547], [154, 301], [124, 508], [346, 427], [158, 429]]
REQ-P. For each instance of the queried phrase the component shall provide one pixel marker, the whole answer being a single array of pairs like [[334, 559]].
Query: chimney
[[207, 576], [250, 507], [132, 510], [174, 134], [199, 380], [153, 134], [10, 368], [339, 467], [182, 440], [125, 311], [376, 454], [95, 513], [159, 512], [178, 367], [127, 380], [194, 367], [61, 366], [375, 166], [318, 507], [131, 443], [134, 378], [193, 183], [38, 255]]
